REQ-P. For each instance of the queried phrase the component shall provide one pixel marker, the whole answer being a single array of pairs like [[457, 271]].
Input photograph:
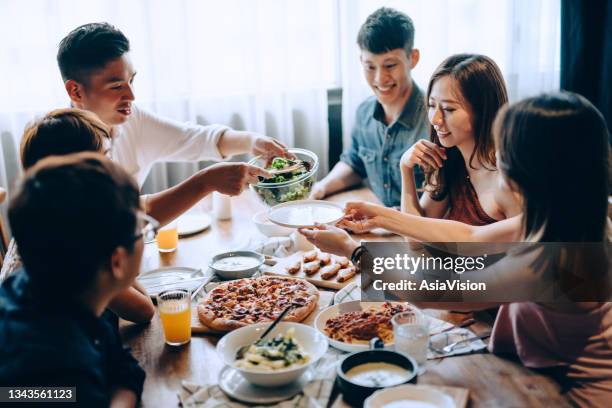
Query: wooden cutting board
[[325, 299], [280, 269]]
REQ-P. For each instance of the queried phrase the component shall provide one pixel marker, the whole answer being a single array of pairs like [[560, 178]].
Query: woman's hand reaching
[[330, 239]]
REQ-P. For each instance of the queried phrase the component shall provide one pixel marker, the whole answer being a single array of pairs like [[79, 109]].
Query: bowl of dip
[[236, 264], [362, 373]]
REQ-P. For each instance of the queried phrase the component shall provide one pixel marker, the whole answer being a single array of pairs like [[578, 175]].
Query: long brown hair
[[555, 149], [483, 89]]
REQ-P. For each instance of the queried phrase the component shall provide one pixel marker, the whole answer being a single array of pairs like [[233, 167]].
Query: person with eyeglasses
[[79, 227]]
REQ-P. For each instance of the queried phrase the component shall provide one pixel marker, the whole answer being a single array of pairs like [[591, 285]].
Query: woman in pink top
[[554, 154]]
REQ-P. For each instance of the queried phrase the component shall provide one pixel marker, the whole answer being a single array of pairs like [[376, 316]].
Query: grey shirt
[[376, 149]]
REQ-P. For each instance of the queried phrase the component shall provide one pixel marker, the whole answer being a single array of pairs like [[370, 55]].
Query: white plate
[[189, 224], [339, 309], [409, 396], [236, 386], [305, 213], [161, 279]]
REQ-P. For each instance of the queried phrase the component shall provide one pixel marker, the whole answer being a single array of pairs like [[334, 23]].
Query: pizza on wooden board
[[241, 302]]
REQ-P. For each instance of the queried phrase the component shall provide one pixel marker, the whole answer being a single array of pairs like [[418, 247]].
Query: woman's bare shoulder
[[507, 200]]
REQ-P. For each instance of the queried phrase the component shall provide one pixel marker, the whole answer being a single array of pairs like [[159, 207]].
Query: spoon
[[242, 350]]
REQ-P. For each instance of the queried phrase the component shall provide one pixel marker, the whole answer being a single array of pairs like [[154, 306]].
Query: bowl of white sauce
[[236, 264], [364, 372]]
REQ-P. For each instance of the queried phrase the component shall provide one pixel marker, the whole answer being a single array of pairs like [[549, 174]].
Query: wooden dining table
[[492, 381]]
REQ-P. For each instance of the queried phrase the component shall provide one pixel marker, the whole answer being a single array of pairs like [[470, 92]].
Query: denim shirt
[[376, 149]]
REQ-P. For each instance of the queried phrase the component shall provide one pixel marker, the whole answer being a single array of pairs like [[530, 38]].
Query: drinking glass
[[167, 237], [175, 314], [411, 333]]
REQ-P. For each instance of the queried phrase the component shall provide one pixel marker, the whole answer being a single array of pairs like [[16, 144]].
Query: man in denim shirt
[[388, 123]]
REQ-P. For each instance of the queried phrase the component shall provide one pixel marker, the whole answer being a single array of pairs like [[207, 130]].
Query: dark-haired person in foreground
[[79, 227], [98, 75], [389, 122]]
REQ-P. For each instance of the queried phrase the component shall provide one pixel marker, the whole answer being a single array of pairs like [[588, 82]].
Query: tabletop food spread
[[293, 365]]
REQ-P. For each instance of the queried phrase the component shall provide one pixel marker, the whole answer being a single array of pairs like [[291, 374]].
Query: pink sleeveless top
[[580, 343]]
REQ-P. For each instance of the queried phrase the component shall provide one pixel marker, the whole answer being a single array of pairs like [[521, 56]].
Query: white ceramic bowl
[[268, 228], [312, 342], [246, 272], [409, 395]]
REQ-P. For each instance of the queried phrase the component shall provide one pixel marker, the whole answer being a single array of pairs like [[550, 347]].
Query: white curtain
[[522, 36], [263, 66]]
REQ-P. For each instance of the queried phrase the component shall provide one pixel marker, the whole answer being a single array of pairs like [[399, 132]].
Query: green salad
[[280, 352], [273, 195]]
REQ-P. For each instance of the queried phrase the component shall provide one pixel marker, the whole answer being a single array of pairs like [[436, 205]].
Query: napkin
[[315, 394], [457, 334], [279, 247]]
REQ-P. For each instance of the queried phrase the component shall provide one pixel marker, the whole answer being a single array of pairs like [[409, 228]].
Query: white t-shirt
[[146, 138]]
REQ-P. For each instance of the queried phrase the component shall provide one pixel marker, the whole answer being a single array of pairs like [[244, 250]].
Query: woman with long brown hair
[[463, 96]]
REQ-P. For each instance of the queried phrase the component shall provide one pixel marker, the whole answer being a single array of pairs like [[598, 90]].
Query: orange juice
[[167, 239], [175, 315]]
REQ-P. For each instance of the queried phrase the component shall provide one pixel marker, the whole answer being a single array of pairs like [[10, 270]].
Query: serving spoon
[[296, 166], [242, 350]]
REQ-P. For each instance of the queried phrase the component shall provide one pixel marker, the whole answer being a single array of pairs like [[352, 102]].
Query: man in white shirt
[[98, 75]]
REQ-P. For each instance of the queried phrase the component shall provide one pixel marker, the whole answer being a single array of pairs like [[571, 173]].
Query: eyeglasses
[[149, 229], [108, 145]]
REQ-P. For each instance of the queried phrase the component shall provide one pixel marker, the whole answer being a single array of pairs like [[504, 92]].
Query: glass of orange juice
[[167, 237], [175, 313]]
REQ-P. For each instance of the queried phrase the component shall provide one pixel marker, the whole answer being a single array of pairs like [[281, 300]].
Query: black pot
[[355, 394]]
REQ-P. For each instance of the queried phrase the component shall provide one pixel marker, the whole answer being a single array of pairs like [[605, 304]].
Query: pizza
[[241, 302], [364, 325]]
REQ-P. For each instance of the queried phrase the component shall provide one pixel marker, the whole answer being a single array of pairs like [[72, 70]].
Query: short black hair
[[89, 48], [68, 216], [386, 29]]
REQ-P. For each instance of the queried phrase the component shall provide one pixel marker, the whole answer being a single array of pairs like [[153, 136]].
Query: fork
[[449, 348]]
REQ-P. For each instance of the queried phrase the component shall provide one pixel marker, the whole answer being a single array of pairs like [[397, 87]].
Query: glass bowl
[[297, 188]]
